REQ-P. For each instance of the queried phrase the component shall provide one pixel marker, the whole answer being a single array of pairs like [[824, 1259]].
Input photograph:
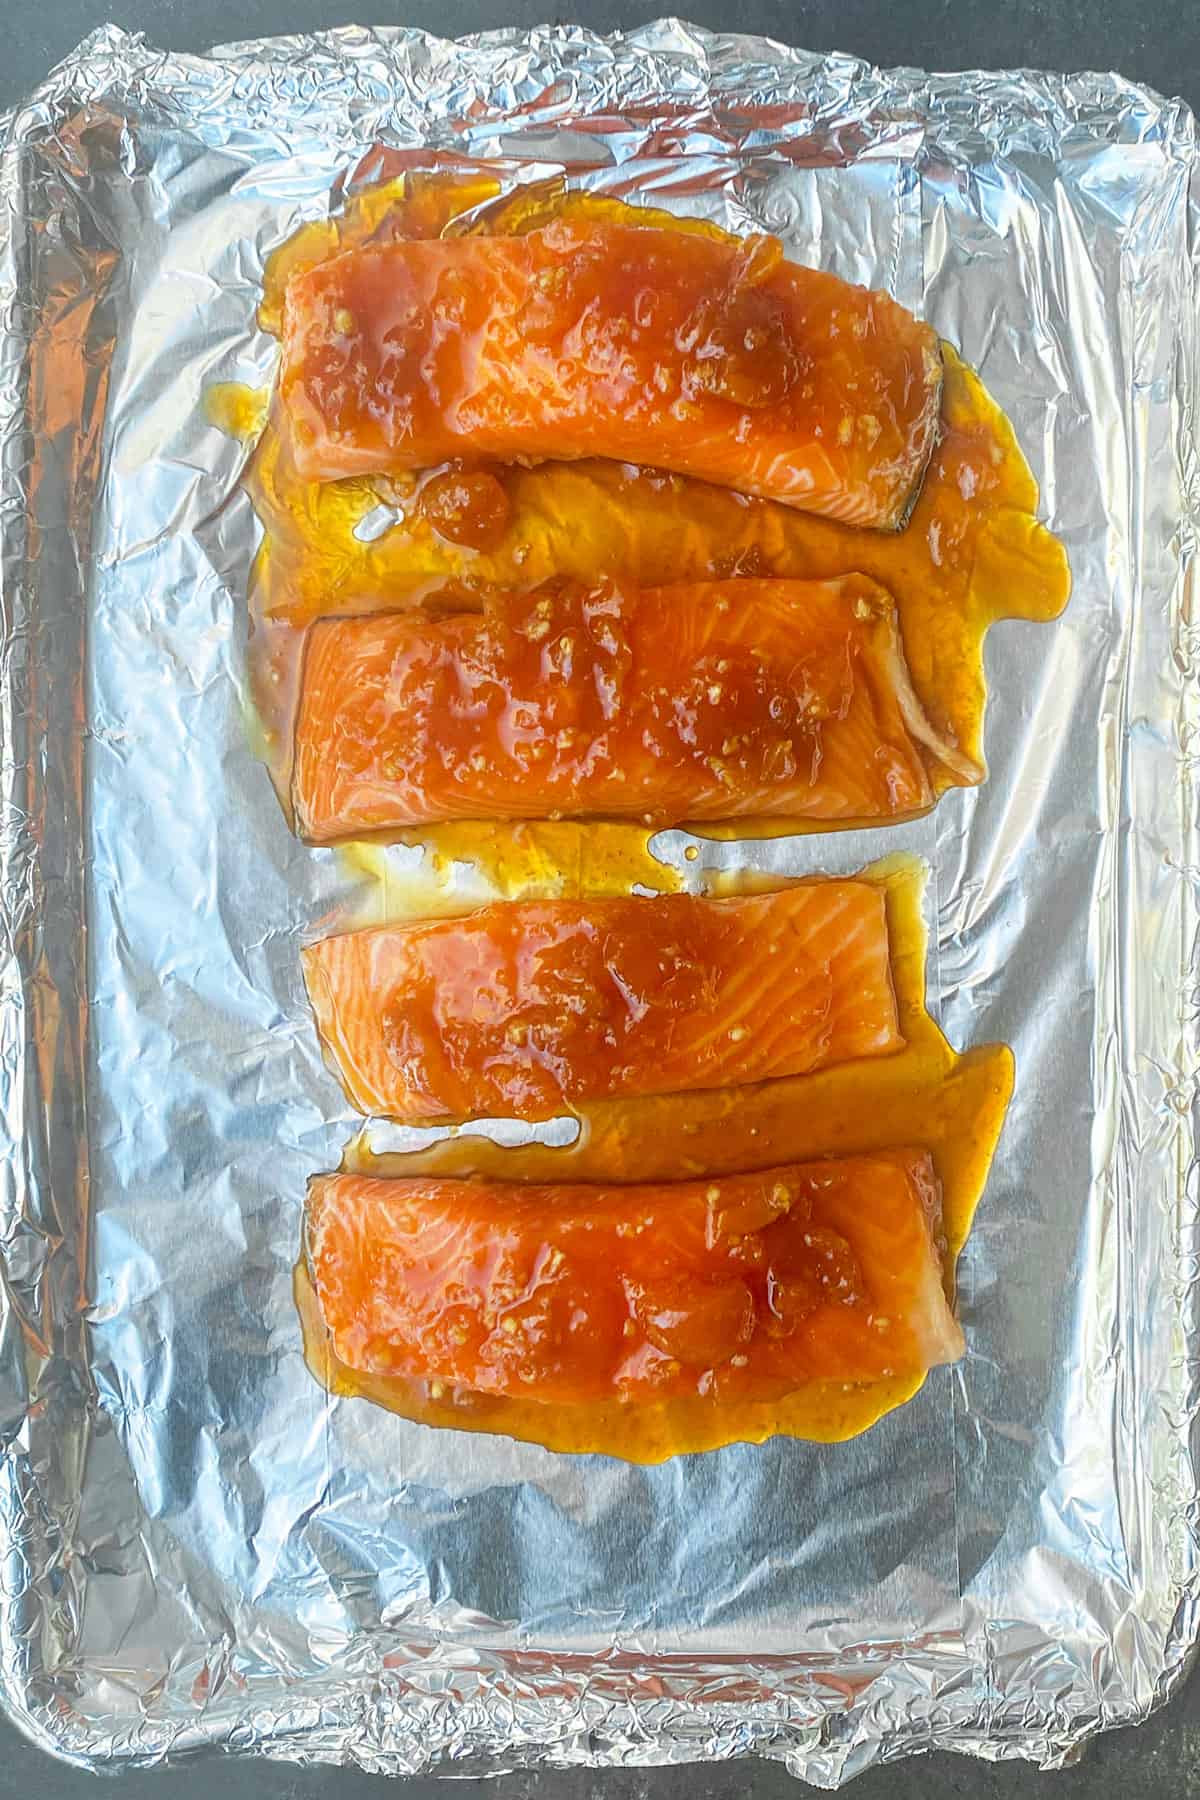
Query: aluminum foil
[[199, 1547]]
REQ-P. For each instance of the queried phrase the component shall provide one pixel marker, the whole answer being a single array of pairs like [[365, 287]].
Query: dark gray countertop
[[1156, 41]]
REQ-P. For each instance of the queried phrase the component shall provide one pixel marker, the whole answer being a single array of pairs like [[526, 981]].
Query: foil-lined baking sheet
[[199, 1546]]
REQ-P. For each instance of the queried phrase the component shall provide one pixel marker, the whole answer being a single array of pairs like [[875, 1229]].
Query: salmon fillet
[[589, 338], [715, 700], [739, 1289], [528, 1007]]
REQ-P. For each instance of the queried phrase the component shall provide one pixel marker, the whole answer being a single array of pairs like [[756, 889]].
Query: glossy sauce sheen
[[731, 1290], [523, 1010], [953, 1105], [589, 337], [711, 701], [972, 551]]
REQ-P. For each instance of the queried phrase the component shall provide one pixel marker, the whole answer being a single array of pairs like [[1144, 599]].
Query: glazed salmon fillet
[[716, 700], [710, 358], [526, 1008], [739, 1289]]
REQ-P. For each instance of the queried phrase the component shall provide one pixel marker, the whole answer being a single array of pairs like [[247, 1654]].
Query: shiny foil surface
[[199, 1545]]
